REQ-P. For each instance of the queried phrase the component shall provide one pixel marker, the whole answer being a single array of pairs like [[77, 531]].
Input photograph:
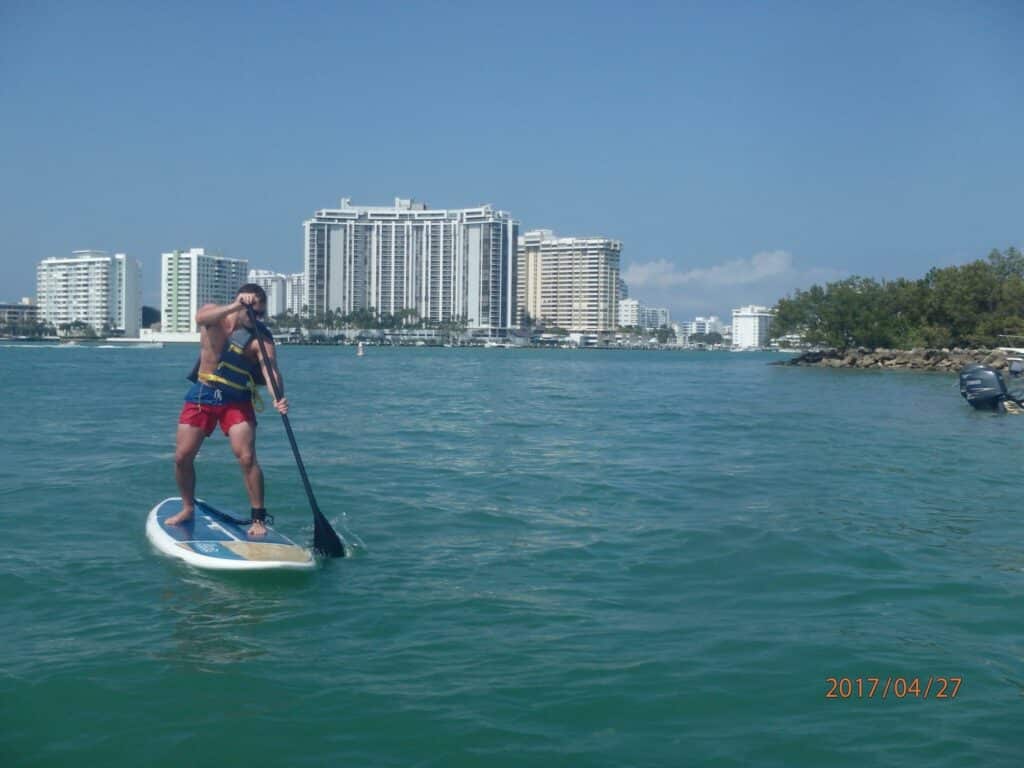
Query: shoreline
[[938, 360]]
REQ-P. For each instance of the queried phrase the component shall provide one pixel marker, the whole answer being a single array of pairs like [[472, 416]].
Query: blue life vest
[[235, 378]]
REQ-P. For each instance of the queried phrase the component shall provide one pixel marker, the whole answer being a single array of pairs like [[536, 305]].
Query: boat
[[111, 342], [136, 345], [984, 388], [1012, 345]]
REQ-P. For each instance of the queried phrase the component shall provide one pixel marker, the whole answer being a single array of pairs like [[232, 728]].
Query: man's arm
[[211, 314]]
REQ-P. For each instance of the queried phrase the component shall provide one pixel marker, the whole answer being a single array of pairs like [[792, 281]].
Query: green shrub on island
[[971, 305]]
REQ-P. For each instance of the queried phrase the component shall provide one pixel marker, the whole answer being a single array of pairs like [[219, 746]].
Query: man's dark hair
[[253, 288]]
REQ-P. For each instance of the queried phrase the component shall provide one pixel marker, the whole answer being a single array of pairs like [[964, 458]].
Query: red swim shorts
[[206, 417]]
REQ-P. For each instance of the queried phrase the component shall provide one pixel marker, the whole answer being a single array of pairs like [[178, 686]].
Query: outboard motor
[[983, 388]]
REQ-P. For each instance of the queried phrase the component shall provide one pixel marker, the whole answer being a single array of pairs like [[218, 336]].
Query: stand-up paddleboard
[[219, 541]]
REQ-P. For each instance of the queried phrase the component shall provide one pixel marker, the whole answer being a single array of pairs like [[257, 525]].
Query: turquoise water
[[561, 558]]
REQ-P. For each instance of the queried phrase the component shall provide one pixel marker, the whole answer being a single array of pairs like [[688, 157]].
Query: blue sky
[[739, 150]]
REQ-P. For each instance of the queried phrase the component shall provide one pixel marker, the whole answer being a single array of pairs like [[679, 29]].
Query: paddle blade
[[325, 541]]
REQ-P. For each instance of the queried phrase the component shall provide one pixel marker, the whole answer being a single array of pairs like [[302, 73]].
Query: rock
[[942, 360]]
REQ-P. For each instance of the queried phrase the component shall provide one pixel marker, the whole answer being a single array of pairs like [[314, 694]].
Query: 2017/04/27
[[900, 687]]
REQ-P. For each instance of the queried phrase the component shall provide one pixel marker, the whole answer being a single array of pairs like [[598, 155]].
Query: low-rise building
[[22, 312]]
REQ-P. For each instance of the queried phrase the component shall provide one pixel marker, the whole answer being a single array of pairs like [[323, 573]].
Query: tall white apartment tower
[[569, 282], [447, 265], [275, 285], [190, 279], [295, 293], [92, 287], [750, 327]]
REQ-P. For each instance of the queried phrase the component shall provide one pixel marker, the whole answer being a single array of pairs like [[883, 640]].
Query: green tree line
[[28, 328], [970, 305]]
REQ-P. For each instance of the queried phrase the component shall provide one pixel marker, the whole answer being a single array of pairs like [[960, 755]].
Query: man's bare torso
[[212, 339]]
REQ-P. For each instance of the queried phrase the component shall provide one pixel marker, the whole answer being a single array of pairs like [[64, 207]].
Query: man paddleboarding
[[224, 386]]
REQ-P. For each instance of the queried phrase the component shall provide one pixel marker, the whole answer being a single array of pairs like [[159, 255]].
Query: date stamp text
[[932, 687]]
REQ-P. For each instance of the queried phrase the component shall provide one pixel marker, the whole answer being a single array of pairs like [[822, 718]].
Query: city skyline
[[322, 215], [562, 282], [548, 289], [739, 152]]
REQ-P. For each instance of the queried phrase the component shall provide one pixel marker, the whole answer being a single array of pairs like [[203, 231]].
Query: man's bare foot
[[257, 528], [184, 516]]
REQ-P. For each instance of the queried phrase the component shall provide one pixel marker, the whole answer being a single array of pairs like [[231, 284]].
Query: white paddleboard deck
[[220, 541]]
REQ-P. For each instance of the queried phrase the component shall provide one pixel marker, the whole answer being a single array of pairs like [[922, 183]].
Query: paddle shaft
[[325, 540]]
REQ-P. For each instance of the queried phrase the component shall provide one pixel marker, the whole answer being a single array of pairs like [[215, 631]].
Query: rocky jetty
[[942, 360]]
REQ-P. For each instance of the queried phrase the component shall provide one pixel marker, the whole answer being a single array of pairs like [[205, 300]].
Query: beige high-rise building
[[569, 282]]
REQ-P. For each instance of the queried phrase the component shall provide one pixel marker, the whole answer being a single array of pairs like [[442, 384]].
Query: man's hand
[[281, 405], [246, 300]]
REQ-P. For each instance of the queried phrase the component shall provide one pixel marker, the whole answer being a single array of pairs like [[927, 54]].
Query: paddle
[[325, 540]]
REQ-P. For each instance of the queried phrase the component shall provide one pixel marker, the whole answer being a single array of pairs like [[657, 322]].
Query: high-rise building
[[750, 327], [653, 317], [190, 279], [275, 286], [629, 313], [704, 325], [569, 282], [93, 287], [528, 284], [446, 265], [634, 314], [295, 293]]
